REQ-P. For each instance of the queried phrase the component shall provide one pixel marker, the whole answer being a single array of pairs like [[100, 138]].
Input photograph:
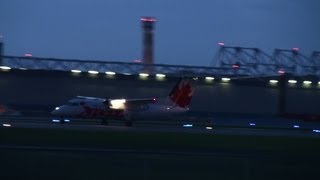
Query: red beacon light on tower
[[148, 19], [221, 43], [28, 55]]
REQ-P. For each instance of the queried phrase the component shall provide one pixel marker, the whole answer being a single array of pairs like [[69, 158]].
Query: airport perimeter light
[[273, 81], [209, 78], [75, 71], [292, 81], [93, 72], [307, 82], [160, 75], [5, 67], [225, 79], [143, 74], [110, 73]]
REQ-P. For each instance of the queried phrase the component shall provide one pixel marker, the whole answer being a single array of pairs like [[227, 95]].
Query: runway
[[218, 126]]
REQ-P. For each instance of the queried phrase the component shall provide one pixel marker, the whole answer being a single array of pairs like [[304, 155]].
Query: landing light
[[225, 79], [291, 81], [160, 75], [110, 73], [273, 81], [93, 72], [5, 67], [57, 108], [143, 74], [75, 71], [117, 103]]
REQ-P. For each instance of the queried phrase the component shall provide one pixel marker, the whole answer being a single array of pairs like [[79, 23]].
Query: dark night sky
[[187, 31]]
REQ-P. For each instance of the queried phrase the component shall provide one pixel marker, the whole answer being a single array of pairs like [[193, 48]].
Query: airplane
[[177, 102]]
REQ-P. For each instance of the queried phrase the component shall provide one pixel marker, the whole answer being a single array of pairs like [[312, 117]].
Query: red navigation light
[[148, 19], [295, 49], [221, 43], [28, 55], [281, 72], [236, 66]]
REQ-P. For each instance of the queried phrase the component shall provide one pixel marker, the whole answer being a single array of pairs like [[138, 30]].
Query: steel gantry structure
[[255, 62]]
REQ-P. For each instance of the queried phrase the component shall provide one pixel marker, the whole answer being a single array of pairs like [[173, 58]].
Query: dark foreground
[[80, 154]]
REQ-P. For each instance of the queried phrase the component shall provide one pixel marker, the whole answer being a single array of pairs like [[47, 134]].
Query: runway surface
[[224, 126]]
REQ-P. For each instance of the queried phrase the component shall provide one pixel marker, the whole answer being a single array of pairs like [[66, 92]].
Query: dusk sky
[[186, 31]]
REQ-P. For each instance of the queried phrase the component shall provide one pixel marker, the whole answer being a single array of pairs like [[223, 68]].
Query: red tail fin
[[182, 93]]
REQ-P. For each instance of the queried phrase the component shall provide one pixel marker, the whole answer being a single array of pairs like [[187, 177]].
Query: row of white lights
[[113, 73], [273, 81], [292, 81]]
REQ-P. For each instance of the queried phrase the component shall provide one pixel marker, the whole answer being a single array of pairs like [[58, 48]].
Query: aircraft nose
[[55, 111]]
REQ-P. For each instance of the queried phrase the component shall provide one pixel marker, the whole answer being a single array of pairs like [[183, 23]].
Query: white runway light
[[6, 125], [55, 120]]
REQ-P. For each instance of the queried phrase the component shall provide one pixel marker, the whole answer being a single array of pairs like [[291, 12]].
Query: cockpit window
[[72, 104]]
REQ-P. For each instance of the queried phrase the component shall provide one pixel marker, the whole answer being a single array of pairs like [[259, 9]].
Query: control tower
[[148, 26]]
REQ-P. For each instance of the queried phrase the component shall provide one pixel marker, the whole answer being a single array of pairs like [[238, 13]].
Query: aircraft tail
[[182, 92]]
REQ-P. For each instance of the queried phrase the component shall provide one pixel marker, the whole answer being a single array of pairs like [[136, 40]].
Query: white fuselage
[[96, 108]]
